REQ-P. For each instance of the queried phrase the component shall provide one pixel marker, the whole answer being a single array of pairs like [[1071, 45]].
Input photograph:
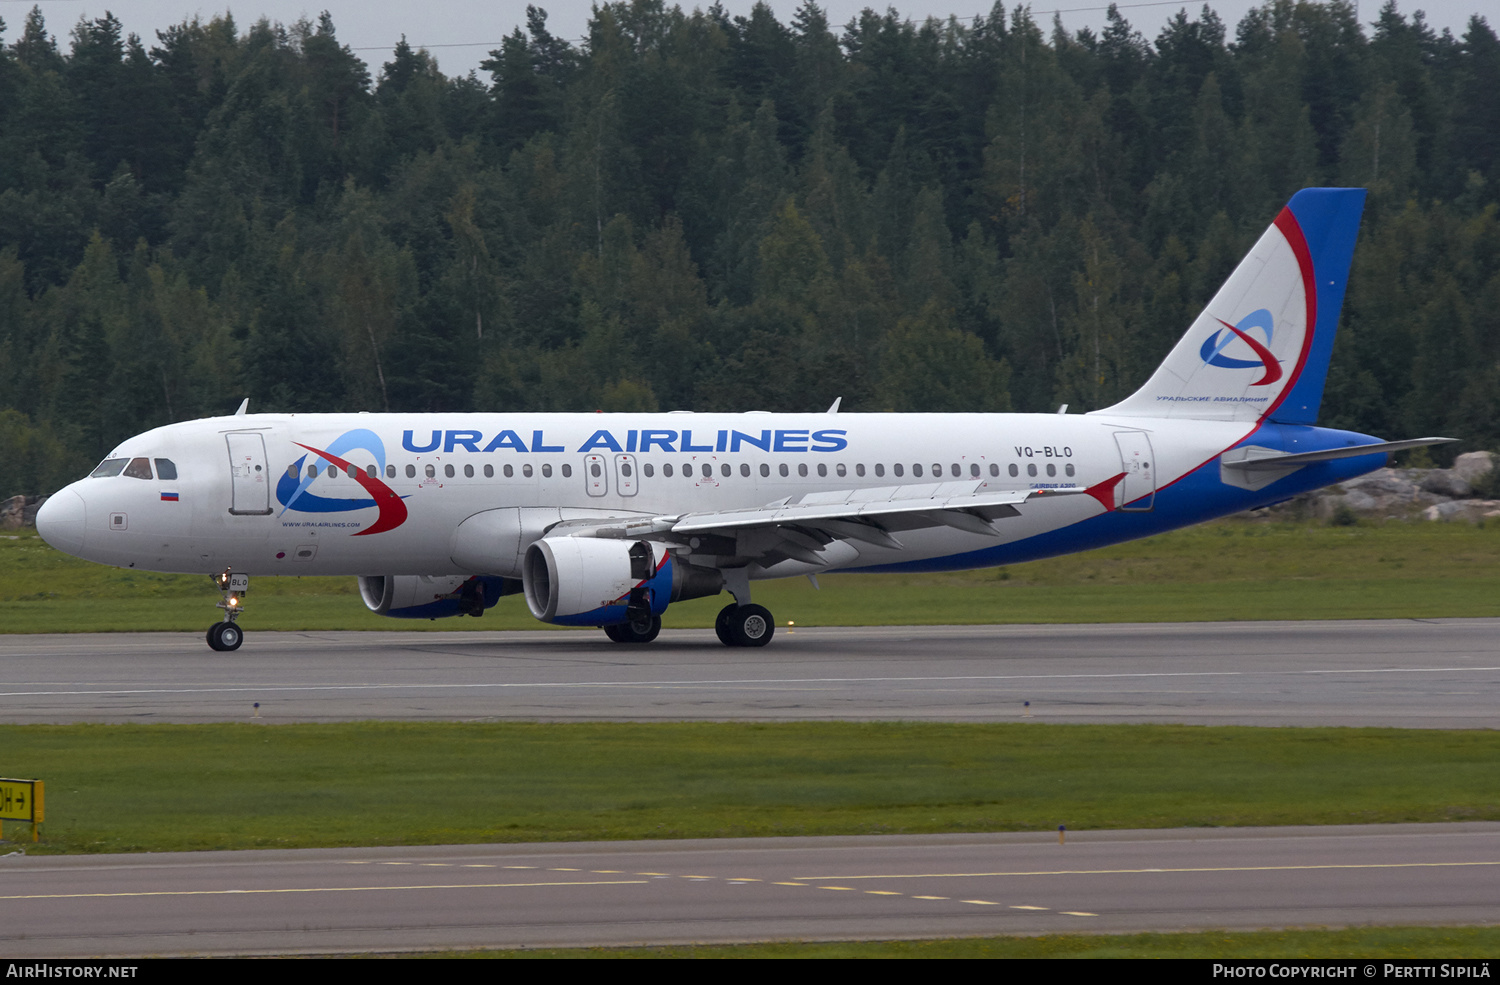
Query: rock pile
[[19, 511], [1406, 494]]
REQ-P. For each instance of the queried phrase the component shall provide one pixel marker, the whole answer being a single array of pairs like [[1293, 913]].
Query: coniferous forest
[[691, 210]]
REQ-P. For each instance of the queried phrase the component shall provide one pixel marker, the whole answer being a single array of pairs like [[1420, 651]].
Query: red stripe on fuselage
[[392, 508]]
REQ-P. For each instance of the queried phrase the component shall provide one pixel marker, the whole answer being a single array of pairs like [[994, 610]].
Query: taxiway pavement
[[395, 899]]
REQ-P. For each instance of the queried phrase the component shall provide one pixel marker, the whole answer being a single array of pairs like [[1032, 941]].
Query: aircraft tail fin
[[1261, 348]]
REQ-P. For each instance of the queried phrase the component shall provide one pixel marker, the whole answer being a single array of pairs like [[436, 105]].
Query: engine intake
[[589, 581]]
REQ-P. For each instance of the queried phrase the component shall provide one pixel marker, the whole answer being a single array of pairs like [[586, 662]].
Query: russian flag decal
[[168, 497]]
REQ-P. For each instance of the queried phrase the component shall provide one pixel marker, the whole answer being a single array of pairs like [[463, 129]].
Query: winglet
[[1104, 491], [244, 406], [834, 409]]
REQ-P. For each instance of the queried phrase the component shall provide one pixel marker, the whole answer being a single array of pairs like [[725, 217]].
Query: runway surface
[[1408, 673], [396, 899]]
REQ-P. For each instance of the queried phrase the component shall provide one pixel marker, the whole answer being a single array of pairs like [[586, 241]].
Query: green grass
[[113, 788], [1353, 942], [1231, 569]]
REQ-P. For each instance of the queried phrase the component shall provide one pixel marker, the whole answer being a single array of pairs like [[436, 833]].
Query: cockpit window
[[139, 468], [165, 469], [109, 467]]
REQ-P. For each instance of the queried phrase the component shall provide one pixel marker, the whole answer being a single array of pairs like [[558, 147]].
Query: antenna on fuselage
[[834, 409], [1063, 409], [244, 406]]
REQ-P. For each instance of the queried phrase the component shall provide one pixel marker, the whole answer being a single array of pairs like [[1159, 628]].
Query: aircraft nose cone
[[60, 521]]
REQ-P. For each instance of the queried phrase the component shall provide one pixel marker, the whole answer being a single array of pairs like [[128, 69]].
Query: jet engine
[[433, 596], [589, 581]]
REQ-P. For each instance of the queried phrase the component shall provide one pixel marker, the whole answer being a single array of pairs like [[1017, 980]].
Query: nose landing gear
[[227, 635]]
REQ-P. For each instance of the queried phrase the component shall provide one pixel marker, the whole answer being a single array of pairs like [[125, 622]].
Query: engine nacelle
[[433, 596], [589, 581]]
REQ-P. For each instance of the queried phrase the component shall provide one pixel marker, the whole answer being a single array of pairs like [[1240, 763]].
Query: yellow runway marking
[[1030, 908], [881, 892], [1076, 913], [979, 902], [929, 897], [1118, 872]]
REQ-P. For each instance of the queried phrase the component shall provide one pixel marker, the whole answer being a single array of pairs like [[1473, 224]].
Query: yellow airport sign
[[22, 800]]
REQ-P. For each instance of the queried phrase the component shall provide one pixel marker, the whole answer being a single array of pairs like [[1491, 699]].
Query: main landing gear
[[744, 625], [227, 635]]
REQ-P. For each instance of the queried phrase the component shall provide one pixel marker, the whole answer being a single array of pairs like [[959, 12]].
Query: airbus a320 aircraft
[[606, 519]]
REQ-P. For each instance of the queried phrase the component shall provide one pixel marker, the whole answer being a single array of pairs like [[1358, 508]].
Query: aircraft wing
[[806, 529], [965, 505]]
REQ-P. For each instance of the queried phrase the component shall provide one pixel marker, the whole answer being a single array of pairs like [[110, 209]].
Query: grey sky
[[460, 33]]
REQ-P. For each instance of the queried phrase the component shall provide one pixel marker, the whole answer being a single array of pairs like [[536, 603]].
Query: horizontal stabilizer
[[1255, 459]]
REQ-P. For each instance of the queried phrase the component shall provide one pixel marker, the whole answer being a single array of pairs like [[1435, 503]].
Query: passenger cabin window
[[139, 468], [765, 470], [370, 471], [567, 471], [109, 467], [859, 470], [526, 471], [390, 471], [165, 469], [448, 471], [546, 471], [468, 471], [822, 470], [896, 470], [291, 471], [510, 471], [411, 471], [802, 469], [916, 471], [880, 471], [782, 470], [666, 470], [1014, 471], [431, 472], [489, 471]]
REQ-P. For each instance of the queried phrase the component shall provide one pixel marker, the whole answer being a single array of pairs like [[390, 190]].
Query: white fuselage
[[235, 502]]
